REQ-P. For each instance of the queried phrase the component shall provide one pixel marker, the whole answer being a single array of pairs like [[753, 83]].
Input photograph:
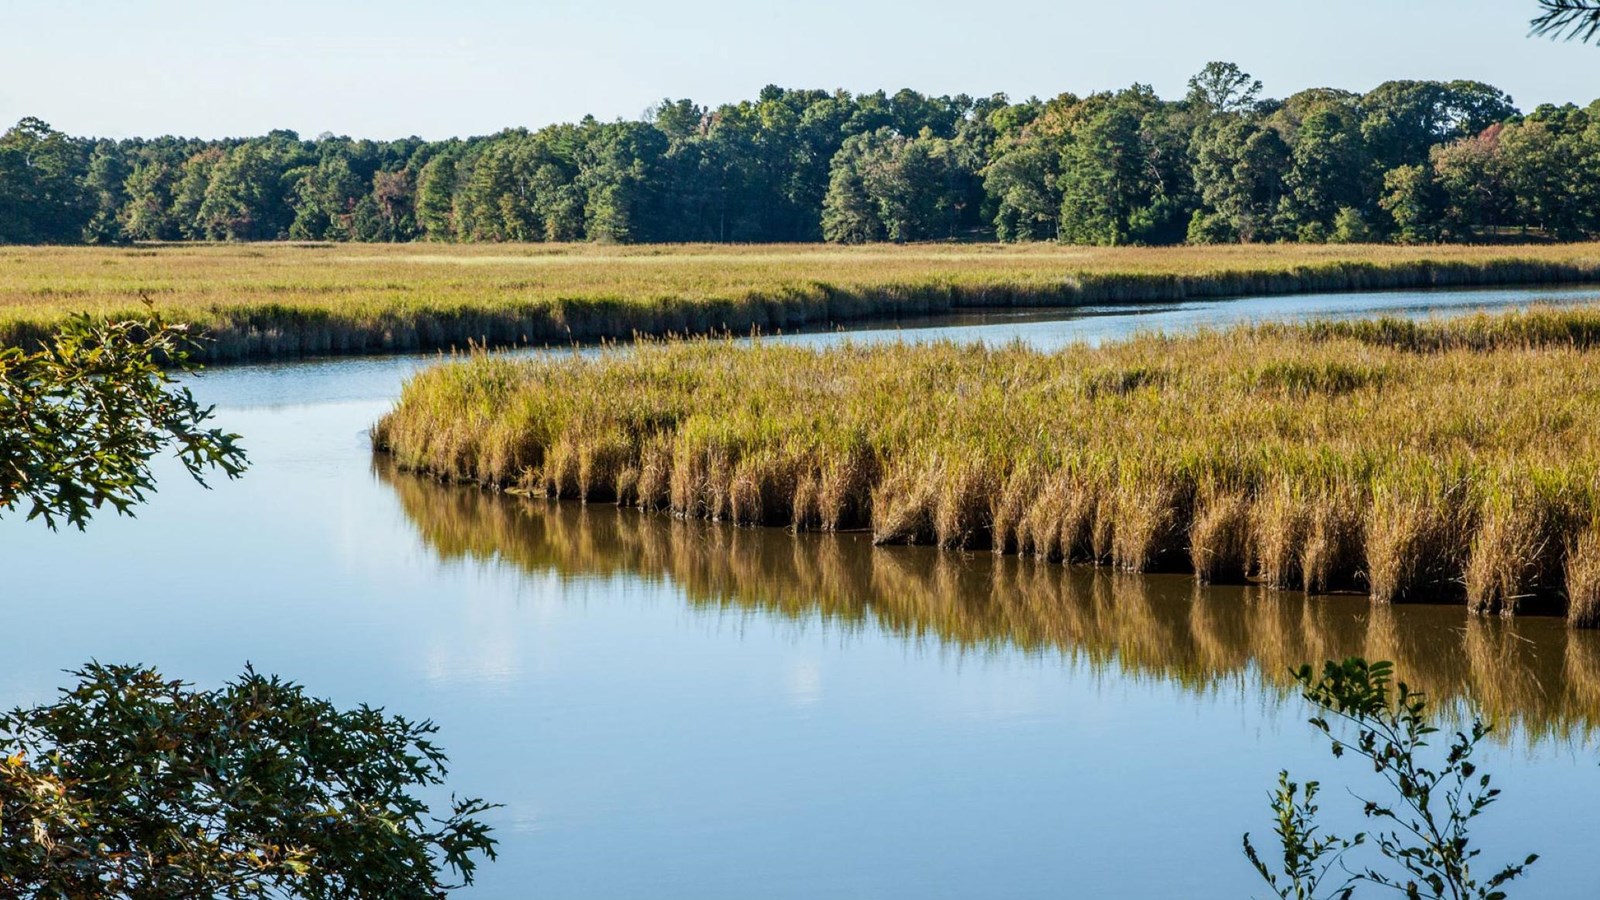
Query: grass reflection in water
[[1532, 673]]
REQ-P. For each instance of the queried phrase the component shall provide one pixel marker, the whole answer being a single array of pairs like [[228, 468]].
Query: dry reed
[[280, 300], [1454, 459]]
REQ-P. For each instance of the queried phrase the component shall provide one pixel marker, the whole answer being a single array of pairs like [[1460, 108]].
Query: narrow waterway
[[674, 709]]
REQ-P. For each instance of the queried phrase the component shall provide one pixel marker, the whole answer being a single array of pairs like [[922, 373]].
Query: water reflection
[[1534, 674]]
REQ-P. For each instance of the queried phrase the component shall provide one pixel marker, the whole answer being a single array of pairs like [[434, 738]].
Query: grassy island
[[258, 301], [1447, 460]]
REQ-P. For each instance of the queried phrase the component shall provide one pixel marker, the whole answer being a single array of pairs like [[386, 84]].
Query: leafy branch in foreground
[[134, 786], [1568, 19], [81, 419], [1424, 826]]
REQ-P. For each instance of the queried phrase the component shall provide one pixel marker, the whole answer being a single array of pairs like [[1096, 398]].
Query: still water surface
[[674, 709]]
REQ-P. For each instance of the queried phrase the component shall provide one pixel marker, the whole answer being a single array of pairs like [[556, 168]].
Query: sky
[[443, 68]]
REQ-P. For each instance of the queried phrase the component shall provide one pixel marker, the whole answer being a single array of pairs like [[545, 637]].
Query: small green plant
[[135, 786], [1308, 856], [1423, 831]]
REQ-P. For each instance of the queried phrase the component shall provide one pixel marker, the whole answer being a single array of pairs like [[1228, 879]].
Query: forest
[[1409, 161]]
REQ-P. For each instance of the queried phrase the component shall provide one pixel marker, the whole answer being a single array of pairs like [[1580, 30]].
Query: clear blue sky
[[388, 68]]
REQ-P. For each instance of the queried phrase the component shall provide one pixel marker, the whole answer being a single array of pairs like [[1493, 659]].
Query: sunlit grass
[[1454, 459], [1529, 672], [264, 300]]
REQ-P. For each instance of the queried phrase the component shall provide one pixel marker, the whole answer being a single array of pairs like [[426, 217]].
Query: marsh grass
[[1529, 671], [1445, 460], [280, 300]]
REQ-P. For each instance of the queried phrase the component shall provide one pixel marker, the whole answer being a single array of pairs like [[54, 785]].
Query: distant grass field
[[278, 300], [1453, 459]]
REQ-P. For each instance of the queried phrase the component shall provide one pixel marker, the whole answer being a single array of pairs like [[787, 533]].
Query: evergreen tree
[[436, 198]]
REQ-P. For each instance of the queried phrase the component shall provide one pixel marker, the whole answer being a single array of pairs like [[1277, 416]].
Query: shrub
[[135, 786], [1424, 818]]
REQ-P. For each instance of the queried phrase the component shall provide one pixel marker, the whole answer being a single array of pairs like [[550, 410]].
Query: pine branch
[[1568, 19]]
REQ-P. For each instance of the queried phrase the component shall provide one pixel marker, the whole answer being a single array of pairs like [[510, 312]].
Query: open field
[[1455, 459], [280, 300]]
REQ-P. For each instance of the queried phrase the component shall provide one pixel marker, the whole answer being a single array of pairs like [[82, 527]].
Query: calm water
[[674, 709]]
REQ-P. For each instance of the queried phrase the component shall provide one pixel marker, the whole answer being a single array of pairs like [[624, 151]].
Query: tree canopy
[[1222, 163]]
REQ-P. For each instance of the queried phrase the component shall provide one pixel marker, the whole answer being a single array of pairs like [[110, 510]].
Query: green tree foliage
[[1471, 175], [43, 198], [496, 201], [190, 194], [1549, 163], [436, 186], [849, 213], [1105, 180], [1022, 183], [1328, 169], [81, 419], [149, 212], [1423, 820], [1404, 119], [389, 212], [1221, 88], [1241, 169], [1224, 163], [1022, 177], [324, 197], [244, 197], [1350, 227], [104, 186], [1411, 198], [132, 785], [887, 186], [621, 177], [1111, 168]]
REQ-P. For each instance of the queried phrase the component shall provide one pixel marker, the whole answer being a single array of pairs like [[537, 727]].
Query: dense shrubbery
[[1409, 160]]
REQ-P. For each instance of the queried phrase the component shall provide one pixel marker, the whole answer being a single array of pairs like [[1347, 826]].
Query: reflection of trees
[[1532, 671]]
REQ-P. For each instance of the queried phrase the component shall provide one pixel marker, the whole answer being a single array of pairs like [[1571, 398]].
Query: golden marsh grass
[[1447, 460], [1530, 672], [280, 300]]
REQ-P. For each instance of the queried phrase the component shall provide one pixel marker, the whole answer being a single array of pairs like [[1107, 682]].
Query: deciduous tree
[[133, 786], [81, 419]]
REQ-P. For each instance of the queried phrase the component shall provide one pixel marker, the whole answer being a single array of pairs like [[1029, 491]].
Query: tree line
[[1412, 161]]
